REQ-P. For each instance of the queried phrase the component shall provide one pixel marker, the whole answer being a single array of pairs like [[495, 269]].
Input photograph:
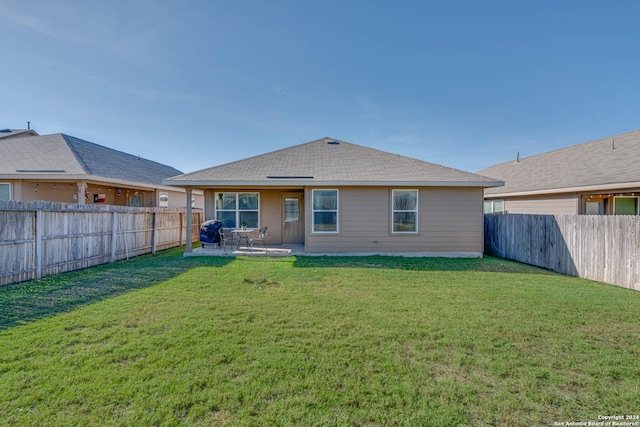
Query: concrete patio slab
[[274, 251]]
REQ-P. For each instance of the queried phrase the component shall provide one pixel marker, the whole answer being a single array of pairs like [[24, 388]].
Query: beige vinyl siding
[[178, 199], [40, 190], [147, 197], [450, 220], [64, 191], [209, 204], [271, 215], [566, 204]]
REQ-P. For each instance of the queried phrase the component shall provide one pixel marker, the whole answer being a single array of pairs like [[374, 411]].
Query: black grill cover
[[210, 231]]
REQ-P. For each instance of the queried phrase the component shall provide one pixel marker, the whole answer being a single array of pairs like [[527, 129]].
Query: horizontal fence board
[[601, 248], [73, 236]]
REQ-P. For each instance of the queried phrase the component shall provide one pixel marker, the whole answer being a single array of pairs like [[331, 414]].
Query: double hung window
[[232, 209], [405, 211], [325, 211]]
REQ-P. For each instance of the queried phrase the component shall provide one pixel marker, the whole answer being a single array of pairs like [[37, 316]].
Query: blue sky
[[196, 83]]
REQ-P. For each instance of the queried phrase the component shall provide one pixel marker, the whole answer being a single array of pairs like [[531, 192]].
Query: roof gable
[[327, 161], [612, 160], [38, 154]]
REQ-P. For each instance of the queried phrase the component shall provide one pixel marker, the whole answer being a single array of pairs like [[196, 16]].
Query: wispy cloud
[[279, 88], [60, 20], [82, 23], [150, 94], [27, 20]]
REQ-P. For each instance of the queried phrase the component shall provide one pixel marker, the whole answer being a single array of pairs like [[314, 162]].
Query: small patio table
[[243, 234]]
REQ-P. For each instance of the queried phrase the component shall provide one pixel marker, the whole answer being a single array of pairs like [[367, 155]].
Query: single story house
[[337, 197], [600, 177], [62, 168]]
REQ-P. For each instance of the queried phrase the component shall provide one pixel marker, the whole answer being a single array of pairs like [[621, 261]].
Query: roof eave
[[303, 183], [89, 178], [600, 187]]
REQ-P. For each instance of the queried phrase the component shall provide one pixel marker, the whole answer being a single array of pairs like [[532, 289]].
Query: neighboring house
[[600, 177], [333, 196], [12, 133], [62, 168]]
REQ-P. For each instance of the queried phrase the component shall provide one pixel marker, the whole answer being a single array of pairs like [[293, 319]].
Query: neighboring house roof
[[60, 156], [328, 161], [602, 164], [12, 133]]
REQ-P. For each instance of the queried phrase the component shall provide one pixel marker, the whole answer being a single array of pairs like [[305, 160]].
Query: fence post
[[113, 237], [38, 245], [153, 234]]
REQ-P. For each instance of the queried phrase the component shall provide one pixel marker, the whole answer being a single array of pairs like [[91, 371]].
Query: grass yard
[[366, 341]]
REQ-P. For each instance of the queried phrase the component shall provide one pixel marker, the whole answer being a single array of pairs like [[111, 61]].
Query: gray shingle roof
[[61, 155], [102, 161], [330, 161], [607, 161]]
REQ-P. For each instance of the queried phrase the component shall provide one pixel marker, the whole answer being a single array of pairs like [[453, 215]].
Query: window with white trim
[[5, 191], [163, 200], [325, 211], [404, 207], [232, 209], [623, 205], [493, 206]]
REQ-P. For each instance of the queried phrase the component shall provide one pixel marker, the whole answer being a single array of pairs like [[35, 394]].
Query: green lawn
[[363, 341]]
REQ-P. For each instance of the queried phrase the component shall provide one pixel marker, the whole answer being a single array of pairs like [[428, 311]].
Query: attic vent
[[333, 143], [289, 177]]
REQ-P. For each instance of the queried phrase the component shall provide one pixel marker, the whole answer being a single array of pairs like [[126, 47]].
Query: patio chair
[[259, 238], [226, 237]]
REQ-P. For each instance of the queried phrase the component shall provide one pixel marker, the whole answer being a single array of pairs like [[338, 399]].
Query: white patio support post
[[189, 242]]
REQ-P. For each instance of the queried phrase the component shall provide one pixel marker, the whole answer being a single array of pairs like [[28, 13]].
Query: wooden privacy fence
[[42, 238], [602, 248]]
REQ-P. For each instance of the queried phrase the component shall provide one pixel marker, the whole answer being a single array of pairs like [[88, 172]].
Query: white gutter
[[312, 183]]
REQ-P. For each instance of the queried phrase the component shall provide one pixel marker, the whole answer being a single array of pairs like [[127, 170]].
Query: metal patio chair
[[259, 238], [226, 237]]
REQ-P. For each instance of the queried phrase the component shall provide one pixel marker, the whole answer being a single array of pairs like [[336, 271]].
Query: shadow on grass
[[59, 293], [486, 264]]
